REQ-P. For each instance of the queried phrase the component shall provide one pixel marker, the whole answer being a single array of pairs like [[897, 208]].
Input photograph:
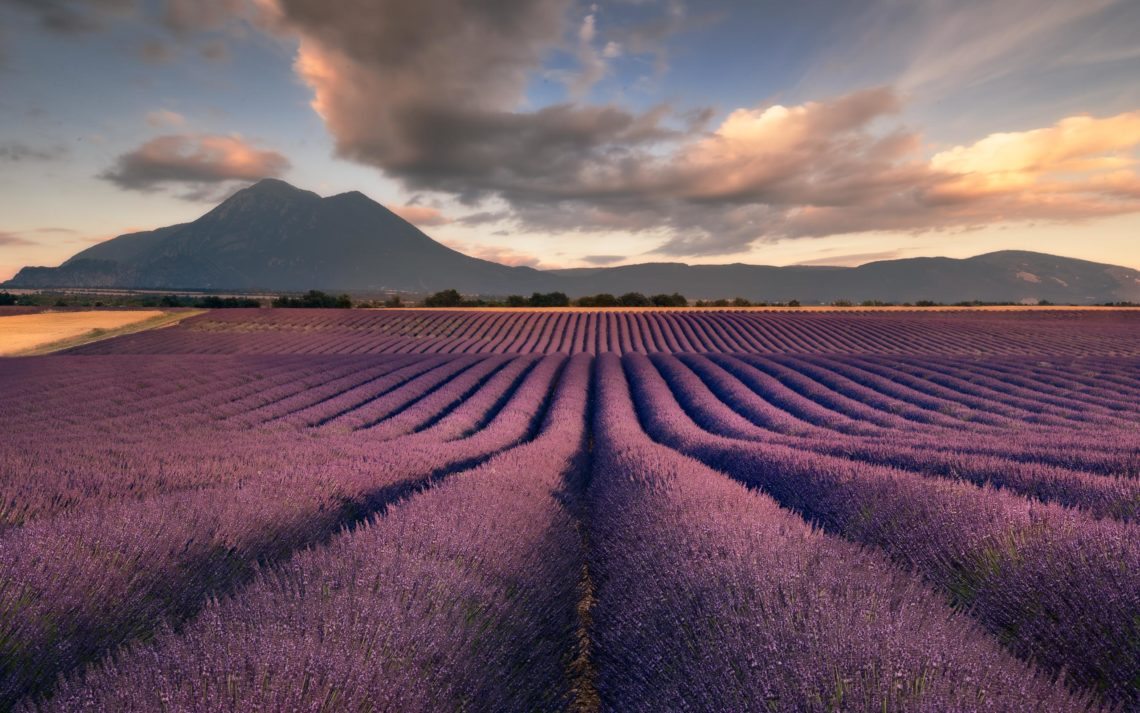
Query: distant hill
[[1005, 276], [274, 237]]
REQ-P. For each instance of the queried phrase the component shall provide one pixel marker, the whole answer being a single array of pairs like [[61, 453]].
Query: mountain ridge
[[272, 236]]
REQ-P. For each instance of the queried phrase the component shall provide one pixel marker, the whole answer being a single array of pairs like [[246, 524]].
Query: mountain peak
[[269, 195], [273, 186]]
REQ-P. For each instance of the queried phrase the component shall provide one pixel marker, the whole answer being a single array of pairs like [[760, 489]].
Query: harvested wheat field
[[24, 333]]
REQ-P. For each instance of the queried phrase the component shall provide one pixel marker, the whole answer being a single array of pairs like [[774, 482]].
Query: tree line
[[452, 298], [445, 298]]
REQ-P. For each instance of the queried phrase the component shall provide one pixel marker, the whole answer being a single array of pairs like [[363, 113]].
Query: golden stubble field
[[24, 334]]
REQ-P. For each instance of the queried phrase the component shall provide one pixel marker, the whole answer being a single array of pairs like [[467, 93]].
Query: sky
[[559, 133]]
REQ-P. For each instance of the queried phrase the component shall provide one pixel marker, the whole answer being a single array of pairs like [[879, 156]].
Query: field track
[[622, 511]]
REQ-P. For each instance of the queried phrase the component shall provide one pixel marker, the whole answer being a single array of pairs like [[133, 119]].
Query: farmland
[[642, 510], [32, 332]]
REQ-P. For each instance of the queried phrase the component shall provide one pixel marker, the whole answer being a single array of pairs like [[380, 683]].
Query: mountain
[[274, 237], [1005, 276]]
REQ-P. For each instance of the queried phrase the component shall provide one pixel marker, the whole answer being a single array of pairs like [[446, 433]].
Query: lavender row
[[1113, 451], [710, 597], [725, 408], [90, 461], [1057, 587], [637, 331], [81, 585], [464, 597], [974, 382]]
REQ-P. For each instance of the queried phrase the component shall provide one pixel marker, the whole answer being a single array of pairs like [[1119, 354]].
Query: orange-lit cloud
[[8, 239], [161, 118], [1077, 155], [420, 215], [499, 254], [194, 160]]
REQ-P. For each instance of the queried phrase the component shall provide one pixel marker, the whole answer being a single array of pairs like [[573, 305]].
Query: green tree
[[315, 298], [549, 299], [634, 299], [444, 298], [674, 300]]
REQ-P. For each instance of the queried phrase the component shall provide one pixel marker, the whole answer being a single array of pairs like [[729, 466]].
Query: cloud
[[852, 260], [420, 215], [1081, 167], [18, 151], [74, 16], [651, 36], [499, 254], [184, 17], [161, 118], [937, 47], [975, 41], [215, 51], [8, 239], [194, 161], [1077, 145], [443, 108], [484, 217], [591, 62], [439, 105], [602, 259], [156, 51]]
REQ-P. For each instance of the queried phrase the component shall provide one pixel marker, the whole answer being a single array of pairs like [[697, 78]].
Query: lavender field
[[326, 510]]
